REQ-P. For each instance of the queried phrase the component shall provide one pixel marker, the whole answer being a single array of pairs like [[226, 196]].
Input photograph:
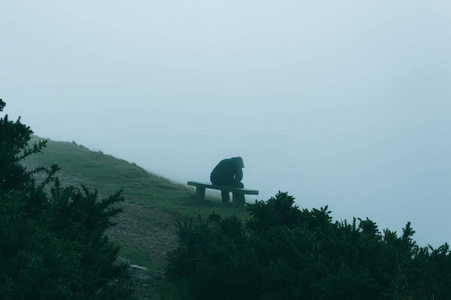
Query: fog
[[339, 103]]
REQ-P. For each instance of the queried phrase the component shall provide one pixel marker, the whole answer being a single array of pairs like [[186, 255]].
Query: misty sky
[[340, 103]]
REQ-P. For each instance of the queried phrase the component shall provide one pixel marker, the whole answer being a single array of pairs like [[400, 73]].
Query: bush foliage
[[52, 241], [283, 252]]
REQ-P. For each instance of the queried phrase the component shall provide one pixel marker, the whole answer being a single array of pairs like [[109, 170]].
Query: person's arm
[[239, 174]]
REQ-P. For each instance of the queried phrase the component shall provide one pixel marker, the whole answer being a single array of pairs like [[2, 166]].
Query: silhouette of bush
[[52, 241], [282, 252]]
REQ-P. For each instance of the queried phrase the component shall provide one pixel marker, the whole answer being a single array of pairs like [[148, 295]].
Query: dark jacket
[[228, 172]]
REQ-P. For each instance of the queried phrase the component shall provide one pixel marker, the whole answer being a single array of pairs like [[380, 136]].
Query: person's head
[[239, 161]]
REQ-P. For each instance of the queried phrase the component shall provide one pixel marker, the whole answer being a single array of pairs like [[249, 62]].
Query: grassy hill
[[146, 229]]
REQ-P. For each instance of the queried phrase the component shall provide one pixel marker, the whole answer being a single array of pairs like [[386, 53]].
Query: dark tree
[[52, 238]]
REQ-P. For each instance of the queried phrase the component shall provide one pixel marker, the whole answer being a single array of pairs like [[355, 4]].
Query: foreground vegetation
[[52, 241], [282, 252]]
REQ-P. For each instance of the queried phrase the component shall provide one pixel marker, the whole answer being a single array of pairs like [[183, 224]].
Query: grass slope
[[153, 204]]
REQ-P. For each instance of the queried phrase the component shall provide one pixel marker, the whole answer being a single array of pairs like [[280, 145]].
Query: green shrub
[[282, 252], [52, 241]]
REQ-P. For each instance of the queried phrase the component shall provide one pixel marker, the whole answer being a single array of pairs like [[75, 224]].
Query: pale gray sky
[[340, 103]]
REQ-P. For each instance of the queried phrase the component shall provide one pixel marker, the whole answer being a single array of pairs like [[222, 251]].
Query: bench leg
[[200, 192], [225, 196], [238, 199]]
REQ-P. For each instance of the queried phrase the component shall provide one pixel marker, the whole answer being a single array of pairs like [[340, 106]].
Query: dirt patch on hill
[[151, 230]]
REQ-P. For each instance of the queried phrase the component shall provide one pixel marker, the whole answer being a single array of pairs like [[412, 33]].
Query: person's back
[[228, 172]]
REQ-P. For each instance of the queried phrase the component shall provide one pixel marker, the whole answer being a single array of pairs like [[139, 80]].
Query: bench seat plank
[[223, 188]]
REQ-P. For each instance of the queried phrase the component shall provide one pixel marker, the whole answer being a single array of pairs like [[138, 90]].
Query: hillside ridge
[[144, 223], [146, 229]]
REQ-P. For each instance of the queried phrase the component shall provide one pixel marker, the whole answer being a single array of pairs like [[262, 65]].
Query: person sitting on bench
[[229, 172]]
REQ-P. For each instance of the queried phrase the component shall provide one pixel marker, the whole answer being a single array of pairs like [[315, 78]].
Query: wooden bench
[[225, 190]]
